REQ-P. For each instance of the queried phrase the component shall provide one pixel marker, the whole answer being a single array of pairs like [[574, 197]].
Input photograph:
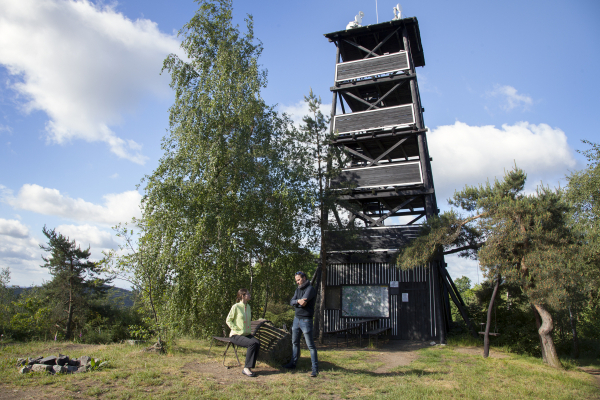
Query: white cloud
[[117, 207], [469, 155], [459, 267], [88, 236], [21, 253], [5, 128], [84, 65], [13, 228], [510, 98], [297, 111]]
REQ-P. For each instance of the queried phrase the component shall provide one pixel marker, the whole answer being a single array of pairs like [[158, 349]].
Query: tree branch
[[459, 249]]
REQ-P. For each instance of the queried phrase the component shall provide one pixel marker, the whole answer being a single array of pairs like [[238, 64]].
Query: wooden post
[[430, 207], [334, 101], [437, 291]]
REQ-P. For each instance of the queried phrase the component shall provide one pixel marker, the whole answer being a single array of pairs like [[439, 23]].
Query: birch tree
[[228, 196]]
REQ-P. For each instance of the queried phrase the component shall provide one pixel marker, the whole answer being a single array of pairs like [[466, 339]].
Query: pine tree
[[75, 281], [524, 239]]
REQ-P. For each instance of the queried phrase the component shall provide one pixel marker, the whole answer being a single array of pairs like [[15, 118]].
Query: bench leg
[[211, 344], [236, 356], [234, 351]]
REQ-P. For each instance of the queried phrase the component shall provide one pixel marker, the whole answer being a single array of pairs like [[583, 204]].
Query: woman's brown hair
[[241, 293]]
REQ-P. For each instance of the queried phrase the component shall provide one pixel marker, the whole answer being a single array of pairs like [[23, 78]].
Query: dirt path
[[397, 353], [392, 354], [594, 372]]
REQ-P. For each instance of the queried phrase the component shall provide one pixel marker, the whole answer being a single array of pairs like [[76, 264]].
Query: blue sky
[[83, 106]]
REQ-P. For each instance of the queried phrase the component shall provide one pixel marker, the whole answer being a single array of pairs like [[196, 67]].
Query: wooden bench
[[338, 331], [376, 333], [254, 331]]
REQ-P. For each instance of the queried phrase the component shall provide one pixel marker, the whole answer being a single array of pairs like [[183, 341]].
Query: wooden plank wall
[[412, 320], [381, 118], [371, 66], [380, 176]]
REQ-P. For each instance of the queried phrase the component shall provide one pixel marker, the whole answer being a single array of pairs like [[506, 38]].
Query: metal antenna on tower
[[376, 11]]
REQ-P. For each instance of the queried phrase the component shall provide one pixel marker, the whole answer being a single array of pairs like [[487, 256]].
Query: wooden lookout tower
[[377, 118]]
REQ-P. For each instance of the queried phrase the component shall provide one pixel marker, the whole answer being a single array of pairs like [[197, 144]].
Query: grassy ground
[[407, 371]]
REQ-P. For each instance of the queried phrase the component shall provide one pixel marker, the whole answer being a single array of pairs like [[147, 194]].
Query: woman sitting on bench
[[239, 321]]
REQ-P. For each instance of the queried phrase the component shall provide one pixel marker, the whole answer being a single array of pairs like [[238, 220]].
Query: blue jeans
[[306, 326]]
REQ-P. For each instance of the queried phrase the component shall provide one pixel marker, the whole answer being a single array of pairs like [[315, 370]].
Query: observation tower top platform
[[368, 41]]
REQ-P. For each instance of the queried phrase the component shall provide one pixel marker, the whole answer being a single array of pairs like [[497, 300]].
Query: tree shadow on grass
[[305, 366]]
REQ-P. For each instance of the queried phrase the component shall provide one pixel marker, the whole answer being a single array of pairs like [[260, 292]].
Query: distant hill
[[118, 296]]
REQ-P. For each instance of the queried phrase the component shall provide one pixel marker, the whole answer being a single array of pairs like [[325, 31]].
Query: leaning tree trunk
[[545, 332], [486, 336], [538, 324], [573, 320]]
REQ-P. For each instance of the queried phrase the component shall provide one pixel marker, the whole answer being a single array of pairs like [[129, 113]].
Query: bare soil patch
[[11, 393], [216, 372], [397, 353]]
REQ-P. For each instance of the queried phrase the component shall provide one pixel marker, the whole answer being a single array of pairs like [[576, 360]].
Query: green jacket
[[239, 319]]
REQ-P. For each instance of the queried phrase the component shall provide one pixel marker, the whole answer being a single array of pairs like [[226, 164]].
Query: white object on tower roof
[[397, 12], [357, 21]]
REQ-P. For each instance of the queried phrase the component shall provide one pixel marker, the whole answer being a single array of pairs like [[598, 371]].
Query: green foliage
[[75, 281], [280, 314], [512, 317], [31, 317], [444, 233], [139, 332], [226, 206], [462, 284], [525, 238], [6, 297]]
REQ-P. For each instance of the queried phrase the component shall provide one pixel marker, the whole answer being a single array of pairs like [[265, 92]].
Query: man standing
[[304, 304]]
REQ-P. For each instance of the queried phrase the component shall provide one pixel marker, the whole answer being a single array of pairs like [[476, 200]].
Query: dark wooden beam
[[381, 43], [337, 217], [463, 312], [396, 86], [416, 219], [356, 153], [341, 103], [358, 46], [382, 148], [375, 161], [359, 99], [355, 138], [404, 152], [369, 82], [364, 149], [386, 204], [334, 101], [384, 193]]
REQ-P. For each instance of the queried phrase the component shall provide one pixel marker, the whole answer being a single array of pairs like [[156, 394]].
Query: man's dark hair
[[302, 274]]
